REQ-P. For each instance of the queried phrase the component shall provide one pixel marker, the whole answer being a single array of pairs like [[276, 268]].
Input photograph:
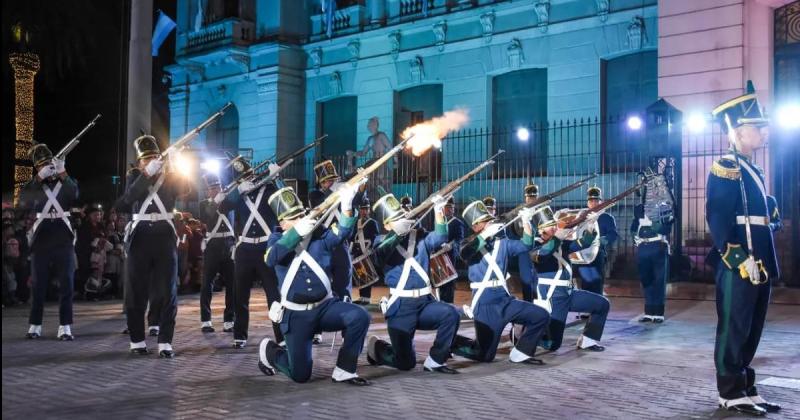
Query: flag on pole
[[328, 8], [425, 8], [164, 25]]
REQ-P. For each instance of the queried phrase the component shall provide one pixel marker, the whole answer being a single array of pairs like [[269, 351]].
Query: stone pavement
[[647, 371]]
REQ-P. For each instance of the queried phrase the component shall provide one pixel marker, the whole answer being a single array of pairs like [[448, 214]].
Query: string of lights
[[25, 66]]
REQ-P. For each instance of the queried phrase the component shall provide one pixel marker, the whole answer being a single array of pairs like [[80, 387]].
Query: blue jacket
[[235, 201], [546, 262], [478, 266], [392, 262], [50, 232], [456, 232], [306, 287]]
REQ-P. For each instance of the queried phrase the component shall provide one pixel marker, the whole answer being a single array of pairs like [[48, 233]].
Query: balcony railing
[[346, 20], [233, 31]]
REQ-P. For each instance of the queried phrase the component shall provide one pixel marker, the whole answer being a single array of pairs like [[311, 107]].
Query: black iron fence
[[556, 154]]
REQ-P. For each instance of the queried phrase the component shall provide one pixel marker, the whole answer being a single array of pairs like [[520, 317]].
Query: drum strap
[[302, 256], [492, 270], [52, 209], [363, 243], [409, 264]]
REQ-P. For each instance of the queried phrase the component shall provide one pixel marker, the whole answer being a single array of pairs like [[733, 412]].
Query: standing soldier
[[216, 255], [367, 230], [456, 231], [492, 306], [651, 238], [50, 238], [302, 257], [254, 222], [737, 212], [152, 245], [405, 261], [592, 274], [527, 274]]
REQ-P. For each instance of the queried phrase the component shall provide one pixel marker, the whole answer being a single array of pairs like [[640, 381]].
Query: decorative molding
[[335, 84], [637, 34], [394, 44], [487, 23], [416, 70], [515, 54], [316, 59], [542, 9], [440, 32], [221, 89], [242, 61], [266, 84], [602, 9], [354, 48]]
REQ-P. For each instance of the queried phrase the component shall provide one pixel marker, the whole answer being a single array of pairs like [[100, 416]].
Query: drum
[[364, 272], [442, 270]]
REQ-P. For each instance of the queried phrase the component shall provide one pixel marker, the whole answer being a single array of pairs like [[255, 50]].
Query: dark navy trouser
[[653, 263], [58, 263], [152, 268], [249, 266], [217, 260], [566, 299]]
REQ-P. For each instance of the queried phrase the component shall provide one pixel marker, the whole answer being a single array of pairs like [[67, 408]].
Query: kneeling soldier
[[405, 259], [493, 307], [302, 261]]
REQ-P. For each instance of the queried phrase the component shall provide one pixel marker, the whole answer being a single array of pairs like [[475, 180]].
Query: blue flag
[[164, 25], [328, 7]]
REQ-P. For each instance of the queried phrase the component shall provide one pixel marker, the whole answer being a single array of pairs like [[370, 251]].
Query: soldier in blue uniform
[[527, 273], [151, 239], [51, 237], [775, 222], [361, 243], [254, 221], [651, 238], [593, 273], [404, 258], [456, 232], [302, 257], [556, 291], [216, 254], [743, 253], [492, 306]]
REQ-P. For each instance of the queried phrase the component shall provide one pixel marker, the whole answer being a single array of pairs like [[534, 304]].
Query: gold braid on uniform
[[726, 168]]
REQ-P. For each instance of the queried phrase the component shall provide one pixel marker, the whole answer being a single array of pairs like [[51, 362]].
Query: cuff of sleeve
[[527, 239], [441, 228], [348, 222], [290, 239]]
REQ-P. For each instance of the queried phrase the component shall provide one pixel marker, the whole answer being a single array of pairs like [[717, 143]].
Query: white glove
[[563, 233], [273, 168], [545, 304], [219, 197], [336, 185], [645, 221], [402, 227], [153, 167], [59, 165], [346, 195], [438, 203], [491, 230], [245, 187], [526, 214], [304, 226], [752, 269], [46, 172]]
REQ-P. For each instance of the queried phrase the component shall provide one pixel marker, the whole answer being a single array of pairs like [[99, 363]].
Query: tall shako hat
[[285, 204], [543, 218], [531, 190], [388, 209], [476, 212], [741, 110], [40, 154], [325, 171], [146, 147], [594, 193]]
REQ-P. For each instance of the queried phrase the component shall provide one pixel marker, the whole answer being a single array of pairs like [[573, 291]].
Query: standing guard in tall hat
[[254, 221], [327, 182], [556, 290], [151, 240], [51, 238], [217, 245], [302, 257], [361, 247], [404, 258], [492, 306], [456, 232], [651, 226], [739, 219], [593, 272], [527, 273]]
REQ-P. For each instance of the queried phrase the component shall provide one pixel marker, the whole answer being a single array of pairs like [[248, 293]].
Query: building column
[[25, 66], [140, 74]]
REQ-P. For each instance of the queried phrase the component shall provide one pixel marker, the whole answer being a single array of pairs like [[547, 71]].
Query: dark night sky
[[83, 53]]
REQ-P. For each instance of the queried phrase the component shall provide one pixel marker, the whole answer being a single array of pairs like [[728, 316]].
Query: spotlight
[[211, 165], [634, 122], [696, 122], [788, 116], [183, 165], [523, 134]]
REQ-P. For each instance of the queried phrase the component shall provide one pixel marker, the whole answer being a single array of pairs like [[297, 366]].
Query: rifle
[[77, 139], [420, 211], [283, 162], [573, 221], [178, 145], [333, 199]]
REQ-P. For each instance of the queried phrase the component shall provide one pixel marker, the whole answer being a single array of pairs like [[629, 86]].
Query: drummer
[[404, 258], [361, 244], [456, 230]]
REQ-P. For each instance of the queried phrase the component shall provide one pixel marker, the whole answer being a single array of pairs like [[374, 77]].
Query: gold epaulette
[[724, 168]]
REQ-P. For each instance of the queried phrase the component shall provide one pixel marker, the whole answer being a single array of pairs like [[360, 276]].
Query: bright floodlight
[[183, 165], [211, 165], [696, 122], [788, 116], [523, 134], [634, 122]]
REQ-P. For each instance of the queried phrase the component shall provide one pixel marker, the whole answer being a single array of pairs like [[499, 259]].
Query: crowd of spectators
[[99, 253]]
